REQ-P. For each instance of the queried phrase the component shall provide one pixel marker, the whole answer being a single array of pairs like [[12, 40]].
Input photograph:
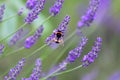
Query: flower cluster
[[30, 41], [33, 14], [14, 72], [30, 4], [88, 18], [93, 54], [55, 9], [75, 53], [36, 73], [2, 9], [16, 37], [20, 12]]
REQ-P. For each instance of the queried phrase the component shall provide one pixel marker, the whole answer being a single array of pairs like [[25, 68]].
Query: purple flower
[[36, 73], [38, 32], [2, 9], [58, 34], [14, 72], [93, 54], [20, 11], [75, 53], [1, 48], [33, 14], [16, 37], [55, 9], [30, 41], [88, 18], [30, 4]]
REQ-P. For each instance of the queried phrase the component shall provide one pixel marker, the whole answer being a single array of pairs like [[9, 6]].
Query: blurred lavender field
[[106, 25]]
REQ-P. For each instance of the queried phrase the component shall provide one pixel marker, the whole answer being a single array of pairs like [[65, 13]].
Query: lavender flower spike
[[2, 9], [58, 34], [16, 37], [55, 9], [1, 48], [88, 18], [30, 41], [36, 73], [30, 4], [14, 72], [33, 14], [93, 54], [75, 53]]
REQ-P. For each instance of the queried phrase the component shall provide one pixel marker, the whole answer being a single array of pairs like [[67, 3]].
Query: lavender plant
[[57, 37], [14, 72], [2, 9], [89, 16]]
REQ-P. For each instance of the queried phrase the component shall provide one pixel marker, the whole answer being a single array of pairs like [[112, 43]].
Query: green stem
[[13, 32], [8, 18], [71, 35], [36, 50], [46, 19], [5, 55], [51, 74], [60, 73], [15, 51]]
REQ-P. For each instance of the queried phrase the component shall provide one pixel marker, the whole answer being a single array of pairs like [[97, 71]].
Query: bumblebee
[[58, 37]]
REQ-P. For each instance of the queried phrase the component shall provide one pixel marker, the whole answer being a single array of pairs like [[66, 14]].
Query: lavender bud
[[39, 32], [55, 9], [1, 48], [36, 73], [14, 72], [88, 18], [93, 54], [75, 53], [56, 38], [20, 12], [30, 4], [16, 37], [30, 41], [2, 9], [33, 14]]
